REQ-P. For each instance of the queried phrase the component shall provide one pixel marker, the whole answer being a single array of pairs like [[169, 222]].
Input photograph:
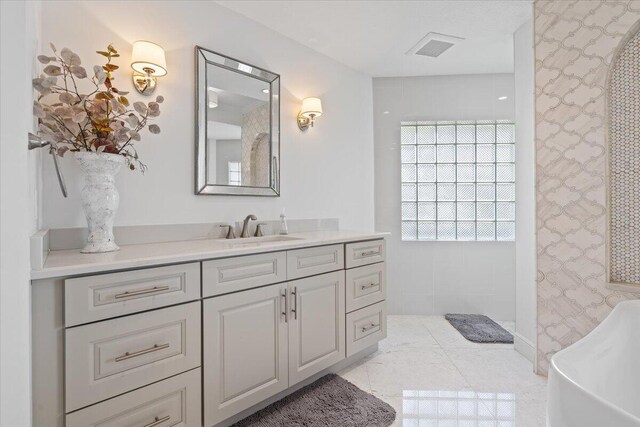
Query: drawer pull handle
[[294, 309], [127, 355], [142, 292], [158, 421], [285, 313], [368, 328], [369, 253], [372, 285]]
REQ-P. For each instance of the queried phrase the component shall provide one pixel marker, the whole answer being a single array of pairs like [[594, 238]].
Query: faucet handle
[[259, 232], [230, 233]]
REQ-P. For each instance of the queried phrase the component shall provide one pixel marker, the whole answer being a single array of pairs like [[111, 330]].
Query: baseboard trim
[[524, 347]]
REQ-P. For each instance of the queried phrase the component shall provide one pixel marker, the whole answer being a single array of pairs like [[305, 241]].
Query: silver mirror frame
[[202, 58]]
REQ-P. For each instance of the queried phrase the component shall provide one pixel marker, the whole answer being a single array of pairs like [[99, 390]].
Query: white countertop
[[72, 262]]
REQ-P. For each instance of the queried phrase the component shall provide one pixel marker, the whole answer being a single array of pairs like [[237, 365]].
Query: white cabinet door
[[245, 350], [316, 324]]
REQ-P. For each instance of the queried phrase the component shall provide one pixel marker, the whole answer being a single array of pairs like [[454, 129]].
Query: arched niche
[[623, 146]]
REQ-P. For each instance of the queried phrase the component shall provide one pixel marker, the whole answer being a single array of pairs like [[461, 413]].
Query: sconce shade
[[213, 97], [148, 56], [311, 107]]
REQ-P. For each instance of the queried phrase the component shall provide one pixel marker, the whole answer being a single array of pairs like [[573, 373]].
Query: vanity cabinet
[[259, 342], [316, 324], [108, 358], [202, 343], [175, 401], [245, 350]]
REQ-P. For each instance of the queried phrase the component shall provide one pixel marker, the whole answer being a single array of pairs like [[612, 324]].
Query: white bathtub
[[596, 381]]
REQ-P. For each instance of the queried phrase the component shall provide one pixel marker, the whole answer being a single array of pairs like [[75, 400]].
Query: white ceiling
[[373, 36]]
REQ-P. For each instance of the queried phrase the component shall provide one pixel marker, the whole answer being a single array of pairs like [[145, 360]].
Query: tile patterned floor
[[433, 377]]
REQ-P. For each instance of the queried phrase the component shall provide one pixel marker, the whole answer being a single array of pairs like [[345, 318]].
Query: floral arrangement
[[100, 120]]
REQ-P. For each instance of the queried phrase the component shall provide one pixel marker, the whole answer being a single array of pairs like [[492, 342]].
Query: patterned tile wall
[[575, 42], [255, 147], [624, 163]]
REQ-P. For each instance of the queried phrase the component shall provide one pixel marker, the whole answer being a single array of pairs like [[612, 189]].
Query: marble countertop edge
[[66, 263]]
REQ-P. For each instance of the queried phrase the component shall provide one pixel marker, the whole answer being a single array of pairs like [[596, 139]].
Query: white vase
[[100, 198]]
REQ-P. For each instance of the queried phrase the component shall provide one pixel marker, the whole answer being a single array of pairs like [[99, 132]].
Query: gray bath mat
[[330, 401], [479, 328]]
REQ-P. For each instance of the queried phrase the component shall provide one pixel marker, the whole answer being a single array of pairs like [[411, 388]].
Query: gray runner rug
[[479, 328], [329, 401]]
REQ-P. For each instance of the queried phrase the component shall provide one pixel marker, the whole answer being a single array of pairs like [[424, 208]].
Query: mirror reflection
[[237, 128]]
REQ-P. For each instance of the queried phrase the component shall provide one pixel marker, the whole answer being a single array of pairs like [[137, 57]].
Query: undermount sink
[[259, 241]]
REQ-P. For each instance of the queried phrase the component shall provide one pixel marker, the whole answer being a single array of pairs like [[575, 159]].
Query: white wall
[[439, 277], [327, 172], [19, 208], [525, 336]]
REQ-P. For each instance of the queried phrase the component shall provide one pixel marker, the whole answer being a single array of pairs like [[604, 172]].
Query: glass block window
[[235, 173], [458, 180]]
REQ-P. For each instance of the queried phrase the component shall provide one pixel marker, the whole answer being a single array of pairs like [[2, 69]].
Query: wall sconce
[[311, 108], [148, 63]]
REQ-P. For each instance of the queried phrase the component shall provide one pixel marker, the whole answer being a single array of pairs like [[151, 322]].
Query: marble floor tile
[[433, 377]]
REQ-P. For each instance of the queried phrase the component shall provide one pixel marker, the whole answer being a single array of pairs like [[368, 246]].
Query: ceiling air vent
[[433, 45]]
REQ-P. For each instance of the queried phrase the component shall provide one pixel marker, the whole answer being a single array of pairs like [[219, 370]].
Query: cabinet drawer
[[365, 286], [366, 327], [112, 357], [173, 402], [363, 253], [99, 297], [221, 276], [312, 261]]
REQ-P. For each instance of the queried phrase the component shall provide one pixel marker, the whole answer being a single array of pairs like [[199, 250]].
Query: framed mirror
[[237, 127]]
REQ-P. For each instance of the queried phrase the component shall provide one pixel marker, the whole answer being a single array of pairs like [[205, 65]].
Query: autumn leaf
[[110, 67], [38, 111], [100, 52], [79, 117], [140, 108], [132, 120], [79, 71], [52, 70], [159, 99], [44, 59], [69, 57], [67, 98], [155, 129], [124, 101], [104, 95]]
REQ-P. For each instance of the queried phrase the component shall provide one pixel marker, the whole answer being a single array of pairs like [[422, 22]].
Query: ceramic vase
[[100, 198]]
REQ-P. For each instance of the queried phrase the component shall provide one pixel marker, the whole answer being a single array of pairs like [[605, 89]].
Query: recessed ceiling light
[[385, 112], [265, 90], [502, 98]]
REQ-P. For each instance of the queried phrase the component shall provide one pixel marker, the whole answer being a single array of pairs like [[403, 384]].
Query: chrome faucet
[[245, 225]]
